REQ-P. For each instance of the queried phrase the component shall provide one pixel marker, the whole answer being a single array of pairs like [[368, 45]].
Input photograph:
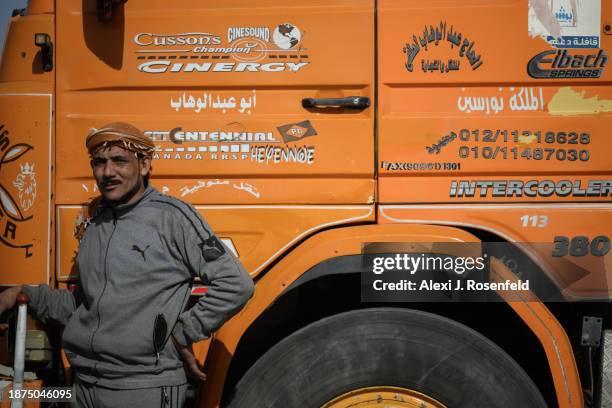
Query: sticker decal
[[565, 64], [208, 101], [569, 102], [516, 144], [581, 246], [296, 131], [26, 184], [234, 142], [522, 145], [286, 36], [419, 166], [201, 184], [566, 23], [244, 49], [462, 46], [231, 143], [236, 33], [514, 99], [531, 188], [14, 212]]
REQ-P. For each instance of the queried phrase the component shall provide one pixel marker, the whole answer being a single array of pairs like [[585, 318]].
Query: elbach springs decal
[[431, 37], [565, 64], [14, 207], [243, 49], [236, 143]]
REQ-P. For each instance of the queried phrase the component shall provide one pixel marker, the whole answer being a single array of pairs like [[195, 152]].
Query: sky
[[6, 8]]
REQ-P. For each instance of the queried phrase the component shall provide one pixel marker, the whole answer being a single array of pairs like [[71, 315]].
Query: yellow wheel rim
[[383, 397]]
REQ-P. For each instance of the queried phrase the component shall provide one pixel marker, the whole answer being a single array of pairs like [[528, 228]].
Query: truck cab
[[318, 136]]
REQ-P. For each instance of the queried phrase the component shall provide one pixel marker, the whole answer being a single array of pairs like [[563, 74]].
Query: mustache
[[109, 181]]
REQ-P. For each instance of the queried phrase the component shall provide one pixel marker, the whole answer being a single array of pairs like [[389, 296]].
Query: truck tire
[[386, 355]]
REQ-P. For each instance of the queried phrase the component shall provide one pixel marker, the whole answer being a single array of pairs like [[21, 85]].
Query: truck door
[[482, 103], [220, 85], [26, 135]]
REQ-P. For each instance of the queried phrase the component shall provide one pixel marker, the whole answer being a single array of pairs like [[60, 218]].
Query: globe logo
[[286, 36]]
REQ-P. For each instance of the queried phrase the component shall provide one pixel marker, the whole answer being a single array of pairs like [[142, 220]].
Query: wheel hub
[[383, 396]]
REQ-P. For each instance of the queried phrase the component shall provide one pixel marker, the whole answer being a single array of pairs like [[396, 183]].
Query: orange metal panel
[[227, 105], [260, 234], [489, 120], [348, 241], [325, 245], [21, 59], [487, 187], [551, 334], [25, 187], [67, 244], [26, 152], [300, 51], [497, 31], [244, 190], [534, 227]]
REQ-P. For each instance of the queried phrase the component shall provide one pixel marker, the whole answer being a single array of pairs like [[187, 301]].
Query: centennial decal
[[235, 143]]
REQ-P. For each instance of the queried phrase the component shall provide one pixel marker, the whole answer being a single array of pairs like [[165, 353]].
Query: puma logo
[[141, 251]]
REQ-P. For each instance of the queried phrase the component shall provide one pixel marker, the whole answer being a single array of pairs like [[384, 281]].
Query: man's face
[[120, 174]]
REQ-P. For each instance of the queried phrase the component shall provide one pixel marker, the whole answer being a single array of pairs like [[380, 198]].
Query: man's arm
[[49, 306], [8, 299], [230, 286]]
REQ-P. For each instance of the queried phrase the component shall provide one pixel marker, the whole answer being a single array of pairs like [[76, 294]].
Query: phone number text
[[521, 136], [515, 153]]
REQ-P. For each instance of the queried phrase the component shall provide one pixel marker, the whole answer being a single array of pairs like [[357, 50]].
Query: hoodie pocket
[[160, 332]]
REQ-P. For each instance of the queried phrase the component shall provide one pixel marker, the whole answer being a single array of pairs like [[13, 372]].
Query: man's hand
[[191, 364], [8, 298]]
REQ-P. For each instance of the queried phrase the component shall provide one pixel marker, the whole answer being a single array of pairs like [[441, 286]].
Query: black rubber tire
[[405, 348]]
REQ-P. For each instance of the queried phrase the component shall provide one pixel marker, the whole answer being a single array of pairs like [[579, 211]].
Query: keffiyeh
[[123, 134]]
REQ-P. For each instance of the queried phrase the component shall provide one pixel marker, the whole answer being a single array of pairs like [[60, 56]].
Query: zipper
[[160, 331], [105, 281]]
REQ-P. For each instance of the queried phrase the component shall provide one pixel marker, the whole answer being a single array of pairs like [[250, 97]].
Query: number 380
[[581, 246]]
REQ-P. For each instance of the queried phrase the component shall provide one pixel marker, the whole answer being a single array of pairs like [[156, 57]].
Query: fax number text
[[422, 166]]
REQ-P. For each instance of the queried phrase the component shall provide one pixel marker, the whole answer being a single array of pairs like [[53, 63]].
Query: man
[[127, 334]]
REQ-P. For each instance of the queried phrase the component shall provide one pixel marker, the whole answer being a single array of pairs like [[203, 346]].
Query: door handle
[[350, 102]]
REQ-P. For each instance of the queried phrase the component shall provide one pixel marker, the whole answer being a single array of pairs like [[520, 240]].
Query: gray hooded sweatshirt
[[136, 266]]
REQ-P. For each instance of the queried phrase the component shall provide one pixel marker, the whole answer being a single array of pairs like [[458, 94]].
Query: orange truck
[[327, 142]]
